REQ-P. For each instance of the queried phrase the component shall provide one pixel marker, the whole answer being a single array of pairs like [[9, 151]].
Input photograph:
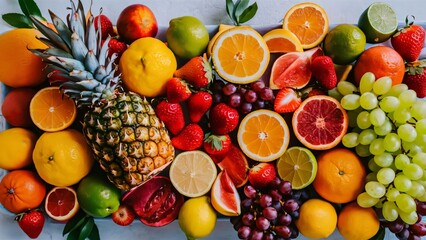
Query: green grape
[[371, 177], [363, 120], [401, 115], [416, 190], [385, 175], [421, 125], [382, 85], [365, 200], [375, 189], [383, 129], [402, 183], [396, 90], [335, 94], [377, 117], [390, 211], [418, 110], [379, 204], [352, 115], [384, 159], [407, 98], [350, 101], [345, 88], [376, 146], [420, 159], [413, 171], [372, 165], [424, 176], [391, 194], [422, 198], [421, 141], [407, 132], [368, 101], [363, 150], [411, 148], [401, 161], [366, 136], [389, 103], [392, 142], [350, 140], [405, 202], [366, 82], [409, 218]]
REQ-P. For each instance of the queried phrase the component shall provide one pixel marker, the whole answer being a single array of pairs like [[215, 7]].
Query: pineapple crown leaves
[[240, 11], [22, 20], [74, 48]]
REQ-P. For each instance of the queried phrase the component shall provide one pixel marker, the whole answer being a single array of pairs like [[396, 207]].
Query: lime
[[344, 43], [297, 165], [378, 22], [197, 217], [97, 196], [187, 37]]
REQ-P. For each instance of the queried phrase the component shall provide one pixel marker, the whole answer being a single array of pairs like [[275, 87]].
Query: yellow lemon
[[197, 218], [17, 145], [62, 158], [146, 66]]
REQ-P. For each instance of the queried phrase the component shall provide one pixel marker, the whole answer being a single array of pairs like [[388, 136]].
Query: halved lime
[[378, 22], [297, 165]]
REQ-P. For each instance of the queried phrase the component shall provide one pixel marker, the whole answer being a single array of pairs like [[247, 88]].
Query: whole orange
[[21, 190], [16, 107], [18, 66], [340, 175], [382, 61], [355, 222]]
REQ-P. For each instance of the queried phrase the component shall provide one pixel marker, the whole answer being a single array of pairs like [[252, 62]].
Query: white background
[[211, 12]]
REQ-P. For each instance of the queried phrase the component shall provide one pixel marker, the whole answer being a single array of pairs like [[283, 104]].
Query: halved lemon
[[240, 55], [192, 173], [282, 41]]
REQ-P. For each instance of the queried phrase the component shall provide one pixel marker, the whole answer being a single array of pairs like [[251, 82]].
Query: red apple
[[136, 21]]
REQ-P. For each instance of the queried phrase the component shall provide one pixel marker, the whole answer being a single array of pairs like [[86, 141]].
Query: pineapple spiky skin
[[128, 140]]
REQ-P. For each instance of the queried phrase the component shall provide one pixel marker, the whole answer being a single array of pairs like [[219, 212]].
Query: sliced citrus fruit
[[236, 165], [379, 22], [222, 27], [52, 111], [240, 55], [297, 165], [61, 203], [308, 21], [320, 122], [282, 41], [224, 195], [192, 173], [263, 135]]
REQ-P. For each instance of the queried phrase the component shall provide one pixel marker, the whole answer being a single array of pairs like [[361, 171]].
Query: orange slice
[[52, 111], [282, 41], [309, 22], [263, 135], [240, 55], [61, 203]]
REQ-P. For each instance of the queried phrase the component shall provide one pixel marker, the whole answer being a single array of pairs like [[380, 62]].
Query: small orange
[[340, 175], [282, 41], [51, 110], [309, 22], [61, 203], [382, 61], [21, 190], [355, 222]]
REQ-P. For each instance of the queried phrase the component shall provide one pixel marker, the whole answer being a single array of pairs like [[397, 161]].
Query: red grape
[[234, 100], [250, 96], [250, 191], [229, 89], [270, 213], [283, 231], [291, 205], [284, 219], [262, 223], [248, 219], [267, 94], [257, 86], [418, 229], [244, 232], [265, 200], [285, 188]]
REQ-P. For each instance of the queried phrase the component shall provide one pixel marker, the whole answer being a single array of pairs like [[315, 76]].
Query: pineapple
[[128, 140]]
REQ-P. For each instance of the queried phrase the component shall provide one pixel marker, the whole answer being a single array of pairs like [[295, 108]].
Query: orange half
[[282, 41], [51, 110], [309, 22]]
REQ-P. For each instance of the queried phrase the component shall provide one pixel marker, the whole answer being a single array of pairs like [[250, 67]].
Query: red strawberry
[[31, 222], [123, 216], [198, 105], [323, 71], [172, 116], [261, 175], [116, 46], [287, 100], [409, 41], [223, 119], [106, 26], [217, 145], [190, 138], [415, 77], [197, 72], [177, 90]]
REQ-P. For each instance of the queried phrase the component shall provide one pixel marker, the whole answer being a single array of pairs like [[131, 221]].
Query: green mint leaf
[[17, 20], [29, 7], [240, 6], [248, 14], [230, 10], [86, 229]]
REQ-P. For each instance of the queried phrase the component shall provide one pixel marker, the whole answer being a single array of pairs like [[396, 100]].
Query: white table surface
[[211, 12]]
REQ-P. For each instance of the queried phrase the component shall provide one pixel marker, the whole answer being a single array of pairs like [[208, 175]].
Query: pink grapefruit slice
[[224, 195], [61, 203]]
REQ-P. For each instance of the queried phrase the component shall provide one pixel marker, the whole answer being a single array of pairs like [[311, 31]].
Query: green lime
[[187, 37], [97, 196], [297, 165], [378, 22], [344, 43]]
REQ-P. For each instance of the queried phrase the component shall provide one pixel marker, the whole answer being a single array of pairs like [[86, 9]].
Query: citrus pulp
[[379, 22], [282, 40], [17, 147], [61, 203]]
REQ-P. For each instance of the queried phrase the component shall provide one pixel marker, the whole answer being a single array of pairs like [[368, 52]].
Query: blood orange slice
[[320, 122], [224, 195], [236, 165], [61, 203]]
